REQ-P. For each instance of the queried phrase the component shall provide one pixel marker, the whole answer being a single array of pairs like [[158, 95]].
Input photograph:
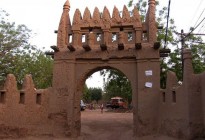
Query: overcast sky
[[43, 16]]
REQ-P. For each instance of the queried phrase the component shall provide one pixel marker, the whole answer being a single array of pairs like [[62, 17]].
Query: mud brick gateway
[[92, 43]]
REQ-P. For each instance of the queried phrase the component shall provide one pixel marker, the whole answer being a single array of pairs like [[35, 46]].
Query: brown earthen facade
[[93, 43]]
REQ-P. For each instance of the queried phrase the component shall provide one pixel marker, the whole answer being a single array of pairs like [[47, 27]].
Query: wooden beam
[[121, 46], [55, 48], [86, 47], [138, 46], [164, 55], [71, 48], [157, 45], [103, 47], [164, 51]]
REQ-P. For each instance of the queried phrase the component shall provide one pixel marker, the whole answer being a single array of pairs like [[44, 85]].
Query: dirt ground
[[104, 126], [110, 126]]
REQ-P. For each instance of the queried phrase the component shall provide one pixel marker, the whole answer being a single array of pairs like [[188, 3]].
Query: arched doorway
[[112, 123], [85, 71]]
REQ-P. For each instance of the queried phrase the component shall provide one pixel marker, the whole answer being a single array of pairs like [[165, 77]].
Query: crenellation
[[126, 20], [97, 32], [136, 20], [116, 19], [76, 20], [96, 22], [18, 107], [86, 18]]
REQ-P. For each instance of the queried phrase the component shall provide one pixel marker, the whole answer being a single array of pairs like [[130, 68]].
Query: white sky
[[43, 16]]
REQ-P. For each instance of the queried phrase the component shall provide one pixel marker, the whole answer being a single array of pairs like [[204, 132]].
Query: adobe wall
[[181, 106], [26, 112], [174, 114], [20, 110], [202, 89]]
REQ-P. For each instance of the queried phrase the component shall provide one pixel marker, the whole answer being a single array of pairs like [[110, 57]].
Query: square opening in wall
[[22, 98], [38, 98], [163, 97], [70, 38], [2, 97], [174, 97], [129, 36], [144, 36], [83, 38], [99, 37], [114, 37]]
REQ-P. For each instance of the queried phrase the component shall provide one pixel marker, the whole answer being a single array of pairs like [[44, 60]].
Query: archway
[[98, 125], [136, 57]]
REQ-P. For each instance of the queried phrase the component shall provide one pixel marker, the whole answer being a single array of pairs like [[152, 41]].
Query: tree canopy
[[117, 85], [92, 94], [174, 61], [19, 57]]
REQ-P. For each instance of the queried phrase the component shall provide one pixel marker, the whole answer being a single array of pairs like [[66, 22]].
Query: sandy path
[[106, 126], [110, 126]]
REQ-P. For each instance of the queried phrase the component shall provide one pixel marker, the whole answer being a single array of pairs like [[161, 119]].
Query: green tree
[[198, 56], [174, 61], [95, 94], [86, 94], [117, 85], [19, 57]]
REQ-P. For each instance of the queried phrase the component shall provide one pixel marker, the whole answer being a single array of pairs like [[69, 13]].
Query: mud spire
[[151, 23], [64, 27], [66, 5]]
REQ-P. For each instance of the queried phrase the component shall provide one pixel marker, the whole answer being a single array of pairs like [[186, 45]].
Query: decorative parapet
[[101, 31], [27, 106]]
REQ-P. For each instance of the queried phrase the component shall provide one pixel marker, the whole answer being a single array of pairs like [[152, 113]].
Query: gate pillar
[[147, 90]]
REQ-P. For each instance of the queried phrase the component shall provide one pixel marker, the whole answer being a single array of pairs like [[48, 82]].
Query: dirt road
[[110, 126], [106, 126]]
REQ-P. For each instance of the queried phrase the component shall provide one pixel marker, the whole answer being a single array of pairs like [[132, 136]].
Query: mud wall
[[202, 89], [182, 106], [174, 113], [20, 110]]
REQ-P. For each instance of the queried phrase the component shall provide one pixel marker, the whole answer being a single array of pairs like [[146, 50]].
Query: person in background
[[101, 108]]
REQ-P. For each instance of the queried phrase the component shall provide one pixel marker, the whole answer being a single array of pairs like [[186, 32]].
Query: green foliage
[[19, 57], [198, 57], [174, 61], [91, 94], [117, 85], [198, 52], [95, 94], [86, 94]]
